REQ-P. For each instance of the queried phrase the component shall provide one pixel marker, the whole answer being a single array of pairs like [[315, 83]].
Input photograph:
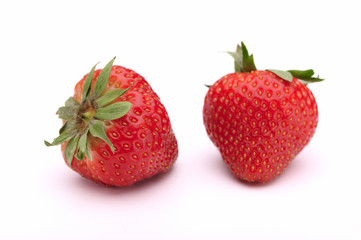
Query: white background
[[47, 46]]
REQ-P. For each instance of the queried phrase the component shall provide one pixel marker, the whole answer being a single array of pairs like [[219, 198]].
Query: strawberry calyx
[[305, 76], [243, 62], [86, 117]]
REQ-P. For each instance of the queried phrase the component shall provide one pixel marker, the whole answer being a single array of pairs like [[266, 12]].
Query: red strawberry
[[116, 131], [260, 119]]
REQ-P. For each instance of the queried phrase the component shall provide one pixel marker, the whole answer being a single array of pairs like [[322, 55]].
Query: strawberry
[[260, 119], [115, 129]]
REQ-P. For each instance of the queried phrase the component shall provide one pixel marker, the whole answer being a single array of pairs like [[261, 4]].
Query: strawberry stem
[[87, 116]]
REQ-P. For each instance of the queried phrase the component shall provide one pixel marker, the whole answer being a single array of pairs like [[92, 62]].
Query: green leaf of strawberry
[[97, 130], [70, 149], [83, 145], [113, 111], [103, 79], [110, 96], [81, 119], [65, 136], [305, 75], [282, 74], [243, 62], [87, 83]]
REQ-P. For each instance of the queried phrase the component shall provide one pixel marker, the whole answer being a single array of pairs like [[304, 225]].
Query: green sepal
[[97, 130], [282, 74], [70, 109], [302, 74], [68, 126], [87, 83], [79, 155], [113, 111], [247, 60], [63, 137], [66, 113], [305, 75], [87, 153], [243, 62], [83, 145], [83, 141], [70, 149], [72, 103], [63, 128], [110, 96], [238, 57], [103, 79]]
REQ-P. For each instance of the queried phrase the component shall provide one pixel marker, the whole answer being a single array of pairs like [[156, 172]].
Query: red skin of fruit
[[259, 122], [144, 142]]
